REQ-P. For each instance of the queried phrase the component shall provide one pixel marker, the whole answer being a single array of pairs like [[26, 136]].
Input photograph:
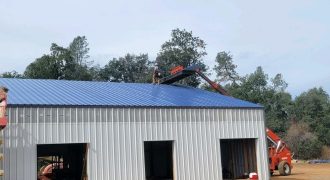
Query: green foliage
[[62, 63], [45, 67], [257, 88], [302, 142], [309, 147], [313, 107], [313, 103], [12, 74], [94, 72], [182, 49], [130, 68], [79, 50], [278, 83], [311, 110], [225, 68], [252, 87]]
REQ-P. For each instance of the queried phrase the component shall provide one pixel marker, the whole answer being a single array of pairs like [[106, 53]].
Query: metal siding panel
[[116, 136], [209, 138], [199, 144], [263, 146], [214, 143]]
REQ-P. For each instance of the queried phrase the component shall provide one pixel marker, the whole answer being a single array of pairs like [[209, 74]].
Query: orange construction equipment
[[3, 119], [176, 69], [46, 172], [178, 73], [3, 106], [280, 155]]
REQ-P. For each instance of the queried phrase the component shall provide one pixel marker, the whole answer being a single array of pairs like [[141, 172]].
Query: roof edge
[[137, 107]]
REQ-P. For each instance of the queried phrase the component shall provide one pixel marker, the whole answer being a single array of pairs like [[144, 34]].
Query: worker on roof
[[3, 93], [156, 75]]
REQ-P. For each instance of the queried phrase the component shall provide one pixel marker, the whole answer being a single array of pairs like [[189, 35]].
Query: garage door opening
[[238, 158], [62, 161], [158, 160]]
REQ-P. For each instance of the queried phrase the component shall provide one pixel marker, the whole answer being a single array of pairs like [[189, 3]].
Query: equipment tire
[[284, 168]]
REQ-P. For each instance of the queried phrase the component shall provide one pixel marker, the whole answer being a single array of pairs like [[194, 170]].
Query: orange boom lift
[[279, 153]]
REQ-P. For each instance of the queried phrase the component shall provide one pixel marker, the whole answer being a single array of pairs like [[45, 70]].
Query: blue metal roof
[[90, 93]]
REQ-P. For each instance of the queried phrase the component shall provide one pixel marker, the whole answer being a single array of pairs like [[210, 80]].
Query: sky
[[288, 37]]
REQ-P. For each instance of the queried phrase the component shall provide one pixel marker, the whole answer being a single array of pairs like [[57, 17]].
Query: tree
[[277, 103], [225, 68], [313, 108], [62, 63], [80, 68], [302, 142], [12, 74], [79, 50], [182, 49], [131, 68], [50, 66], [313, 103], [94, 72], [278, 83], [252, 87], [309, 113]]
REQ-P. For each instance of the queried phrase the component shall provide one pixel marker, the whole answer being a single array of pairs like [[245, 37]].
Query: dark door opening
[[158, 160], [62, 161], [238, 158]]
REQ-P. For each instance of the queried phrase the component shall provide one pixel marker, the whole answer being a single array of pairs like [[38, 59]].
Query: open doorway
[[62, 161], [158, 160], [238, 158]]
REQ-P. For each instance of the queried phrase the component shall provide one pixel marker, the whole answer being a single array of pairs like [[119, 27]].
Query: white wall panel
[[116, 136]]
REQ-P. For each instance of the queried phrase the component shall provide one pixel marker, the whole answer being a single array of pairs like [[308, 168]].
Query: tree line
[[303, 122]]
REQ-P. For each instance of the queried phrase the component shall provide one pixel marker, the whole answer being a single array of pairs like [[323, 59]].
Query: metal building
[[130, 131]]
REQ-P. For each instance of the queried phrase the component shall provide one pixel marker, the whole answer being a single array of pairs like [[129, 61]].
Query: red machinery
[[178, 73], [3, 119], [3, 105], [279, 153]]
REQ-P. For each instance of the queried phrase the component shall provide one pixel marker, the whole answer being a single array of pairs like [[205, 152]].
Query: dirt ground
[[307, 171]]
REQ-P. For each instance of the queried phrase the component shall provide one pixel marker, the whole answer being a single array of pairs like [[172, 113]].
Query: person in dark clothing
[[157, 75], [3, 93]]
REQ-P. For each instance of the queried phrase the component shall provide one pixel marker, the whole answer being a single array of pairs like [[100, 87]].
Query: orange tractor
[[280, 155]]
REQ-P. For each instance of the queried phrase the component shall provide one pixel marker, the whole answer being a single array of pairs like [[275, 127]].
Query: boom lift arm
[[178, 73]]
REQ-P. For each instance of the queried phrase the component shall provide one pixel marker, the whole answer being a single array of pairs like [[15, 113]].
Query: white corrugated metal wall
[[116, 136]]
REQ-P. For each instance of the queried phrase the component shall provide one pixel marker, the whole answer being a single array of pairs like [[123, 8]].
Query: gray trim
[[83, 114]]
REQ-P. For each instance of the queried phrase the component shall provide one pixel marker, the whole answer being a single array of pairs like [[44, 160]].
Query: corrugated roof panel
[[89, 93]]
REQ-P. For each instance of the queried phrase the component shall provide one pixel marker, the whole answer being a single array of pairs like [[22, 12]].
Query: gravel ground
[[304, 171]]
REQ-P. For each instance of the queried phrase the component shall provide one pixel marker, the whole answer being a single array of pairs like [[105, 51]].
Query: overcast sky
[[289, 37]]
